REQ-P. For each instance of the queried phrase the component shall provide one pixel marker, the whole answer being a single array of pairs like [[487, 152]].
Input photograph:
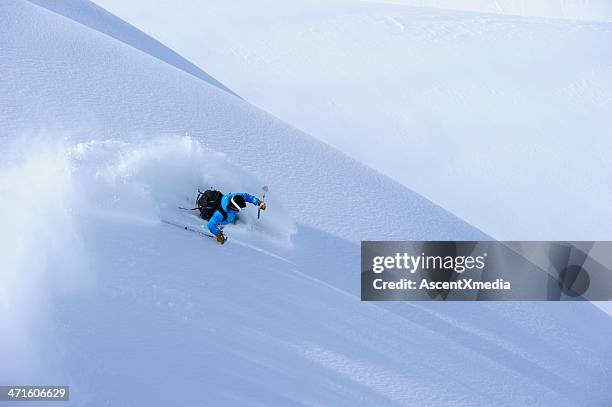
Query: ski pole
[[263, 198]]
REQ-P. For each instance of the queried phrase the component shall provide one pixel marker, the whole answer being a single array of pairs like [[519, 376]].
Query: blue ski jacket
[[217, 219]]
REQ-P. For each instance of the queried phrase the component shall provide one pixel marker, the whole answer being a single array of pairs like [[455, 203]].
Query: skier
[[230, 205]]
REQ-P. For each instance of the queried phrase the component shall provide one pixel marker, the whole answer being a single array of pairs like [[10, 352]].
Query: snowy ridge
[[96, 18], [101, 143]]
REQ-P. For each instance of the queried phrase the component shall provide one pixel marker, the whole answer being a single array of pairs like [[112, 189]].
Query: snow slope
[[596, 10], [95, 17], [493, 117], [100, 142]]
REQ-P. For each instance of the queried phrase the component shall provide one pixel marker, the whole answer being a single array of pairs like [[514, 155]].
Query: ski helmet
[[237, 202]]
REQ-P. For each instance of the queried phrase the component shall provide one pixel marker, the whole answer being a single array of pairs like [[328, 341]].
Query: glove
[[262, 206], [221, 238]]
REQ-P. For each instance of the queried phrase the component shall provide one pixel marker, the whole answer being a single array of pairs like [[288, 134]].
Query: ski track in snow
[[100, 295]]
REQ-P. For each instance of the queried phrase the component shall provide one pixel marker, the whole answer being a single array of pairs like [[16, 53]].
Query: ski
[[189, 229]]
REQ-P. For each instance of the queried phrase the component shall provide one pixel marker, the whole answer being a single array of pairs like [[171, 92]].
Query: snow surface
[[100, 142], [95, 17], [493, 117], [596, 10]]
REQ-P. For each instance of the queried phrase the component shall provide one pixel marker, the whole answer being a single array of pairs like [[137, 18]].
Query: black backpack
[[209, 202]]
